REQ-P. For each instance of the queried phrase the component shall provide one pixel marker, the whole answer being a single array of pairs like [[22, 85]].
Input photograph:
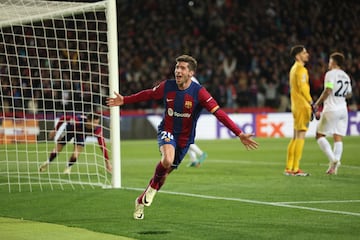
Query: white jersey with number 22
[[340, 84]]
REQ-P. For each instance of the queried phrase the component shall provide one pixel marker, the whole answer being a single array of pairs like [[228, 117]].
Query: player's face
[[304, 56], [91, 125], [182, 73]]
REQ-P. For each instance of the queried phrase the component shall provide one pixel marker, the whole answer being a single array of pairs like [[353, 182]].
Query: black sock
[[52, 156], [72, 161]]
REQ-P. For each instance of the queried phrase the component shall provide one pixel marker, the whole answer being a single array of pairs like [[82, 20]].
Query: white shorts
[[335, 122]]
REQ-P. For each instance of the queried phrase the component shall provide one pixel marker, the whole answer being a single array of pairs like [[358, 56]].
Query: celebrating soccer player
[[301, 110], [334, 118], [183, 100], [78, 128]]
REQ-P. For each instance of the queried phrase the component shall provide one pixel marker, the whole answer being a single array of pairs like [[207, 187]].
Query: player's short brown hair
[[339, 58], [188, 59], [296, 49]]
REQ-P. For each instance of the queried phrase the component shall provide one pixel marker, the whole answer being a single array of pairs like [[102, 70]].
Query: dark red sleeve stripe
[[146, 95], [226, 120]]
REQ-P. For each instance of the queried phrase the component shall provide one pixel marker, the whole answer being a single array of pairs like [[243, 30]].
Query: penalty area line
[[276, 204]]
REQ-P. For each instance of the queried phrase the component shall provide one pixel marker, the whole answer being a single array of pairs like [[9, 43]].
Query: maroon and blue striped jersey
[[182, 109], [76, 126]]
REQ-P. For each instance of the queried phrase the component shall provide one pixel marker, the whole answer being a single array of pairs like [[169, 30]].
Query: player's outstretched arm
[[249, 143], [245, 138], [116, 101]]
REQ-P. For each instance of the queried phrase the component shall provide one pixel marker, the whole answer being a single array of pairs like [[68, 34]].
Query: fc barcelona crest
[[188, 104]]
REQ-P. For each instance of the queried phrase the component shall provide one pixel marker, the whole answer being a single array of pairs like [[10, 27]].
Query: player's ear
[[191, 73]]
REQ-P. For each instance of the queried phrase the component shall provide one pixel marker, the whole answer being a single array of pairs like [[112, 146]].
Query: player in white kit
[[334, 117], [197, 156]]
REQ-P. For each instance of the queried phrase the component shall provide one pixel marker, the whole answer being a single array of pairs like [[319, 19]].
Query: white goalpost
[[58, 60]]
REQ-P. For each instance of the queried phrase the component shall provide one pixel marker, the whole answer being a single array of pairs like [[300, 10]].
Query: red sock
[[162, 181], [157, 181], [159, 175]]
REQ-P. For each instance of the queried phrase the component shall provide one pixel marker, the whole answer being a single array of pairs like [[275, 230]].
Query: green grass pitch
[[235, 194]]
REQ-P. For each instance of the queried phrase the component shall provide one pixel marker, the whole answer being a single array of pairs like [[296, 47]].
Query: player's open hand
[[116, 101], [249, 143]]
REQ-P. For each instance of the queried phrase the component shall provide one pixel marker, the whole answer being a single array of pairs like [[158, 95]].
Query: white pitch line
[[321, 202], [276, 204]]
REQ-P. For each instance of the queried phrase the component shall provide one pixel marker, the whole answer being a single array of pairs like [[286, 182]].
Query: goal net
[[55, 68]]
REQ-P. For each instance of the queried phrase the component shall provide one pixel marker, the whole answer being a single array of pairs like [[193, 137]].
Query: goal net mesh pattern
[[53, 63]]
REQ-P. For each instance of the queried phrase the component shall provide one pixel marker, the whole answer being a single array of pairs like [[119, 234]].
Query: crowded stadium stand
[[242, 48]]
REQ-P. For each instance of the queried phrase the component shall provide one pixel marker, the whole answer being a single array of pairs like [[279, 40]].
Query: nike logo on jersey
[[156, 87], [169, 100]]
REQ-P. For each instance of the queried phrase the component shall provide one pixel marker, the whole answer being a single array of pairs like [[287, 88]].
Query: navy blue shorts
[[167, 138], [79, 139]]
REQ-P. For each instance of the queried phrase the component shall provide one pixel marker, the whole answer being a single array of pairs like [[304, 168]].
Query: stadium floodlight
[[57, 58]]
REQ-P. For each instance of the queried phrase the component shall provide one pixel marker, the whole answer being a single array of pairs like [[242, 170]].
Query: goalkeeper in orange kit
[[301, 110]]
